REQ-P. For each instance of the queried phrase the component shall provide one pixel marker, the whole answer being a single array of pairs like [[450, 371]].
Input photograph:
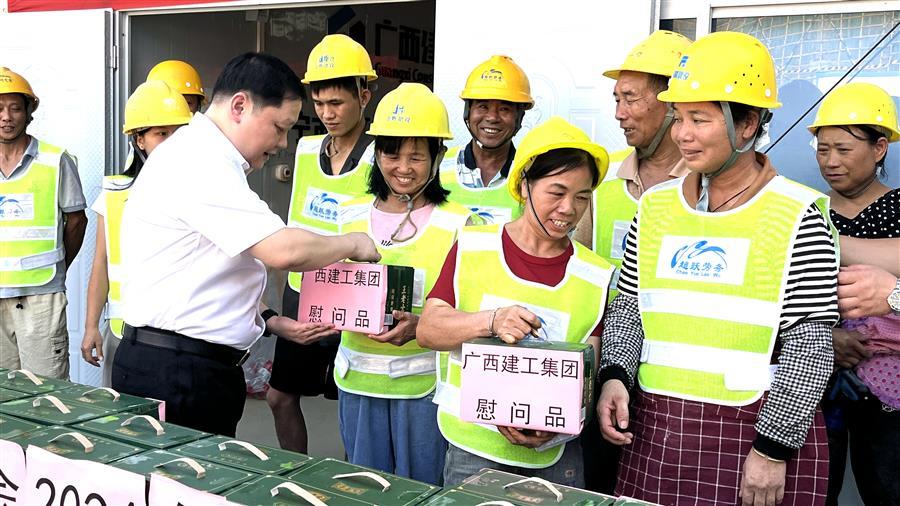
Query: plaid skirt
[[688, 452]]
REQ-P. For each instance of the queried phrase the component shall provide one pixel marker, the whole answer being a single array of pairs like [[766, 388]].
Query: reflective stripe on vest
[[614, 210], [367, 367], [484, 281], [316, 196], [493, 204], [711, 286], [115, 193], [29, 221]]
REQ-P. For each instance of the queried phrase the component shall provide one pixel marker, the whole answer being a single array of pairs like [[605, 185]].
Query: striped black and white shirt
[[808, 313]]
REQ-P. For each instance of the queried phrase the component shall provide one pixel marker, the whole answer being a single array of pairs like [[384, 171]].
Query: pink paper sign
[[58, 481], [168, 492], [12, 472], [528, 388], [349, 295]]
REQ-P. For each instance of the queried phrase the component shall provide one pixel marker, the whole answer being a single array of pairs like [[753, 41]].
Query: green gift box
[[11, 427], [24, 381], [242, 455], [107, 398], [141, 430], [11, 395], [499, 485], [198, 474], [50, 410], [288, 492], [341, 479], [627, 501], [456, 497], [65, 442]]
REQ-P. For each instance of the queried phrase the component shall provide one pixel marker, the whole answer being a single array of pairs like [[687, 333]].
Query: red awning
[[65, 5]]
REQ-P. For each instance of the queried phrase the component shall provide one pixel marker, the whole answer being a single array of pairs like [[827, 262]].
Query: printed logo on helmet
[[492, 75], [5, 78], [683, 62], [399, 115], [325, 62]]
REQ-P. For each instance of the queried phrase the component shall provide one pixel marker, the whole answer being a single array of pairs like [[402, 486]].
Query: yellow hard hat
[[859, 104], [338, 56], [10, 82], [152, 104], [411, 110], [725, 67], [498, 78], [555, 133], [657, 54], [180, 76]]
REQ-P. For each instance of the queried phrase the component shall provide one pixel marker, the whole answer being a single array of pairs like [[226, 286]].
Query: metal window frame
[[704, 11]]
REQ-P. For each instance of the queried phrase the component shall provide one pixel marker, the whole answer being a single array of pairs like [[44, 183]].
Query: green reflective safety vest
[[315, 195], [493, 204], [711, 287], [614, 210], [366, 367], [115, 194], [484, 281], [29, 221]]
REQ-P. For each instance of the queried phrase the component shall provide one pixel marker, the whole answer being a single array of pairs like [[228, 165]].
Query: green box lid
[[47, 411], [489, 482], [11, 395], [107, 398], [321, 475], [34, 385], [11, 427], [277, 461], [456, 497], [209, 477], [60, 441], [141, 432], [627, 501], [259, 493]]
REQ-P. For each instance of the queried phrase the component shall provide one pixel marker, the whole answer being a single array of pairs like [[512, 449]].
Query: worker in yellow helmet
[[646, 123], [386, 380], [853, 128], [42, 224], [152, 114], [328, 170], [503, 280], [183, 78], [496, 96], [729, 348]]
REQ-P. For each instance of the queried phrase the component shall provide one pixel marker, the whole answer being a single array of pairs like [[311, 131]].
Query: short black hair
[[434, 193], [266, 78], [871, 135], [347, 84], [561, 160]]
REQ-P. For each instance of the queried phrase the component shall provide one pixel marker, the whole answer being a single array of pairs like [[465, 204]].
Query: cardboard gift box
[[107, 398], [10, 427], [50, 410], [65, 442], [342, 481], [142, 430], [281, 491], [357, 297], [12, 395], [25, 381], [503, 486], [255, 458], [534, 384], [194, 473]]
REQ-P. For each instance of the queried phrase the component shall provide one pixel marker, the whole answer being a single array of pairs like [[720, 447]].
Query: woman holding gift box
[[385, 381], [504, 281]]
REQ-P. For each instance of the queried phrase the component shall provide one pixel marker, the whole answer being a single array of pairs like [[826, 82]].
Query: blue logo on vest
[[700, 260], [484, 214], [323, 207], [10, 208]]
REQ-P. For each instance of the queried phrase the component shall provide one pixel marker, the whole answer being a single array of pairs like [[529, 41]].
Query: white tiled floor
[[257, 426]]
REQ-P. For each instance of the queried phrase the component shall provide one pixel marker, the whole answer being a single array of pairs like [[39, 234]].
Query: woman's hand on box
[[526, 437], [514, 323], [300, 333], [403, 332]]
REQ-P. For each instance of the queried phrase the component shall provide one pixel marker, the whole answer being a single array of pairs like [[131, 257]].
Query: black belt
[[159, 338]]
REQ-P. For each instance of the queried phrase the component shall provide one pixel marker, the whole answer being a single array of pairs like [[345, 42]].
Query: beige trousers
[[33, 334]]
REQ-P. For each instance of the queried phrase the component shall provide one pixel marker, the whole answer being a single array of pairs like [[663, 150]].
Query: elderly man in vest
[[42, 224]]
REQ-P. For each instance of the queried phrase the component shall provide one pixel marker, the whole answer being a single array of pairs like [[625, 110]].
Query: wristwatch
[[894, 299]]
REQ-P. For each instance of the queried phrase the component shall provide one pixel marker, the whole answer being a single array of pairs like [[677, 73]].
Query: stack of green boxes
[[490, 485]]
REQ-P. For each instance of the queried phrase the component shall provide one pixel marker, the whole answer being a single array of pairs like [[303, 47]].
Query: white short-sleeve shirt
[[189, 220]]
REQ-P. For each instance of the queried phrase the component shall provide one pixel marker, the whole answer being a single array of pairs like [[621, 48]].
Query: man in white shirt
[[195, 239]]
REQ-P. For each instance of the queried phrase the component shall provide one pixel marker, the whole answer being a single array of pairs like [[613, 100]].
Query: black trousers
[[200, 393]]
